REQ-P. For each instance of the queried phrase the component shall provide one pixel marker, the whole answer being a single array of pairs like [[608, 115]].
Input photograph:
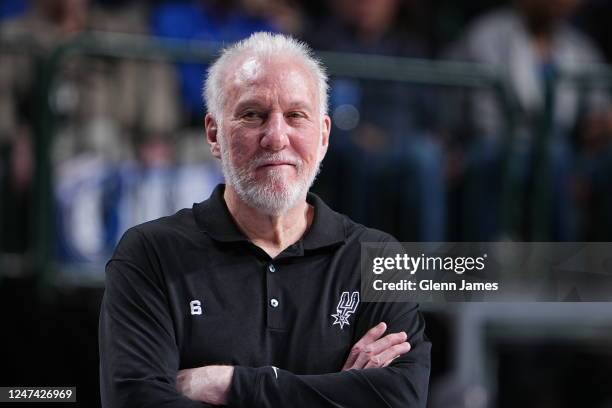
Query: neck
[[272, 233]]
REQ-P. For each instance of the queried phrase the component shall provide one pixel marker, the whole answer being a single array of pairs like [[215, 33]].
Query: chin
[[278, 183], [273, 198]]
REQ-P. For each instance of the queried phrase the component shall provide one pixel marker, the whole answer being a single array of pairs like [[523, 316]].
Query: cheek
[[242, 146], [307, 146]]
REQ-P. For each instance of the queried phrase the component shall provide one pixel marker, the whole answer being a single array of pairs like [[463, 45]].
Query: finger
[[386, 342], [390, 361], [385, 358], [371, 351], [372, 335]]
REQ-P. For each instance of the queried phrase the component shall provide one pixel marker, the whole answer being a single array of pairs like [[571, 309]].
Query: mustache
[[267, 158]]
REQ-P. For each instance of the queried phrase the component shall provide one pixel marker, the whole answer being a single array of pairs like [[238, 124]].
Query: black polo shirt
[[191, 290]]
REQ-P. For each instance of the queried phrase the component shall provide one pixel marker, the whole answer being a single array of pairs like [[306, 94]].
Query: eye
[[296, 115], [250, 115]]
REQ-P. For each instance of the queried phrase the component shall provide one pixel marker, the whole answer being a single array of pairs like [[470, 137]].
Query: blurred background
[[479, 120]]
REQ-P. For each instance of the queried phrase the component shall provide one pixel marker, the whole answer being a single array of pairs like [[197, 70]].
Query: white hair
[[264, 45]]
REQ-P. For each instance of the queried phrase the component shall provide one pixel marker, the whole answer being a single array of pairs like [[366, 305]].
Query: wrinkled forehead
[[250, 72]]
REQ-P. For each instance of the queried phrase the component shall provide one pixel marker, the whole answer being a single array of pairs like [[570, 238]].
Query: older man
[[251, 298]]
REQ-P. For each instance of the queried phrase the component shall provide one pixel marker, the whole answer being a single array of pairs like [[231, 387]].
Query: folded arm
[[379, 372]]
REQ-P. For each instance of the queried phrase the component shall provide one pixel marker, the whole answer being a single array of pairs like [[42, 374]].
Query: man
[[382, 123], [251, 298], [531, 42]]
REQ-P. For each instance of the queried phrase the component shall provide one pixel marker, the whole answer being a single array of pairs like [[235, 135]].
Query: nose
[[275, 136]]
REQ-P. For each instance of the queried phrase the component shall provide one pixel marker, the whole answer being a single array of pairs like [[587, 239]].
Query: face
[[271, 137]]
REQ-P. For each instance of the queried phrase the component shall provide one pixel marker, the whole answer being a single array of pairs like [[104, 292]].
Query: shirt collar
[[327, 228], [213, 217]]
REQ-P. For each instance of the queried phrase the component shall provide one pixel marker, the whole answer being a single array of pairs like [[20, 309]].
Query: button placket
[[274, 296]]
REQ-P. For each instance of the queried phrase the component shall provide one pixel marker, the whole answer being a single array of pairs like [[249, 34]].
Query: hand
[[373, 351], [209, 384]]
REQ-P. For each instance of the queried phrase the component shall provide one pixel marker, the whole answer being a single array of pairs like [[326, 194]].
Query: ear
[[211, 129], [325, 131]]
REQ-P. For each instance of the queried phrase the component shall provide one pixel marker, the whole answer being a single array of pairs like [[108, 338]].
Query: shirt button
[[271, 268], [273, 302]]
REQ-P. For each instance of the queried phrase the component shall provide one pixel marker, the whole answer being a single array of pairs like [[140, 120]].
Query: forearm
[[209, 384], [404, 383], [398, 386], [130, 378], [150, 393]]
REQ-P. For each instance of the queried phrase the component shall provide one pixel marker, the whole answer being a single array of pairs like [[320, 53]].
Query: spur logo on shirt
[[346, 307]]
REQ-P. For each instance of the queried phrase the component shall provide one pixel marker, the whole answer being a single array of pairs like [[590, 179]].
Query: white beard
[[275, 195]]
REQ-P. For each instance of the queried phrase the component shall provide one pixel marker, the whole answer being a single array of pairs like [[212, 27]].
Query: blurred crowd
[[423, 162]]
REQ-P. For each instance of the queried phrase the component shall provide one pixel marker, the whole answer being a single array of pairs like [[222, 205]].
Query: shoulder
[[332, 227], [504, 19], [180, 223], [483, 37], [143, 255], [166, 232], [577, 45], [360, 233], [493, 29]]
